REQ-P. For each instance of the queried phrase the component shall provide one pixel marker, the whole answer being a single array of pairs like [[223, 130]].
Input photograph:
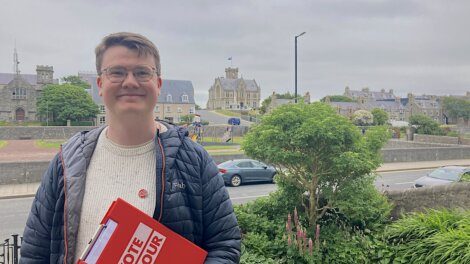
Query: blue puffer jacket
[[201, 211]]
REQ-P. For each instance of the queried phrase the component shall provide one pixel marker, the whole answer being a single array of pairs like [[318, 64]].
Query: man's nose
[[130, 81]]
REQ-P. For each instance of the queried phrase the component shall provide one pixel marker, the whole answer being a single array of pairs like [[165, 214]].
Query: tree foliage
[[266, 102], [425, 125], [363, 118], [457, 108], [317, 150], [380, 116], [65, 102], [337, 98], [76, 81]]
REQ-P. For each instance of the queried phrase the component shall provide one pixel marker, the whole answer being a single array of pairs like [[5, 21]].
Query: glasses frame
[[105, 71]]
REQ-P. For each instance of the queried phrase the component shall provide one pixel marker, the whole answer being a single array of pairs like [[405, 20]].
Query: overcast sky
[[408, 46]]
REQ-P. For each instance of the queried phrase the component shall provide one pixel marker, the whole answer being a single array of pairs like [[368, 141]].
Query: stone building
[[233, 92], [19, 93], [176, 99], [398, 109], [275, 102]]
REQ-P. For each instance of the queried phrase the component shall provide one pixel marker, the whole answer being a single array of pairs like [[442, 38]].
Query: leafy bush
[[431, 237]]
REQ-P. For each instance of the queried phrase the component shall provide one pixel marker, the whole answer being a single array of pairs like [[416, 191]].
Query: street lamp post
[[295, 94]]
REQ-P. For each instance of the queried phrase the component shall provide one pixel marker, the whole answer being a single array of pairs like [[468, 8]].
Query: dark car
[[444, 175], [236, 172], [234, 121]]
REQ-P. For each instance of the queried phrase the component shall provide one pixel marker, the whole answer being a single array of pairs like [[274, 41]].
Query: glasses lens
[[143, 74], [116, 74]]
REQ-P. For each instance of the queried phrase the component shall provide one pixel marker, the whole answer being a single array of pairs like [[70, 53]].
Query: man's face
[[130, 97]]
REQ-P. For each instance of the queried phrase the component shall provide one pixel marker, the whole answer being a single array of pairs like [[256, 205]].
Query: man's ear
[[159, 87], [99, 82]]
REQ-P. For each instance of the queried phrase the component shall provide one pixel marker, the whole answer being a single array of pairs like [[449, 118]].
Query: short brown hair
[[132, 41]]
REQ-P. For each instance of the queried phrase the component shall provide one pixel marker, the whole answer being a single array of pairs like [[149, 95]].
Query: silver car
[[444, 175], [236, 172]]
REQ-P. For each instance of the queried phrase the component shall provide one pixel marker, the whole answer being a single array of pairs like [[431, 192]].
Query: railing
[[10, 249]]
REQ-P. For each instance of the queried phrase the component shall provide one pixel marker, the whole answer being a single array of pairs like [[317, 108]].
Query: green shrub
[[431, 237]]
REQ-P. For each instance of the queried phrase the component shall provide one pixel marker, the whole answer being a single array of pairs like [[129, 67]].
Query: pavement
[[29, 189]]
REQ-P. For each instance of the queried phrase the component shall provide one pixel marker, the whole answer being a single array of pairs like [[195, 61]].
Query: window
[[157, 109], [180, 110], [245, 164], [19, 93], [191, 110], [254, 104], [102, 109], [168, 109], [184, 98], [169, 98], [102, 120]]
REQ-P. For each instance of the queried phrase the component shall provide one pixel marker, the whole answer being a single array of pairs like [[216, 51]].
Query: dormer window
[[169, 98], [184, 98]]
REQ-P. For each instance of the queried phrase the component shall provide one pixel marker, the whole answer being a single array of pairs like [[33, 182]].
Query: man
[[152, 165]]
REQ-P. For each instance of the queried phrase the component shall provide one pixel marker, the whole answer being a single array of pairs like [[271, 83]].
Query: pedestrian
[[151, 164]]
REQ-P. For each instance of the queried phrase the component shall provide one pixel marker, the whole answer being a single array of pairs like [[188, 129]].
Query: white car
[[444, 175]]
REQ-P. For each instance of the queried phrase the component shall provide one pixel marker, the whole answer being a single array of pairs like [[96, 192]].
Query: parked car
[[444, 175], [234, 121], [236, 172]]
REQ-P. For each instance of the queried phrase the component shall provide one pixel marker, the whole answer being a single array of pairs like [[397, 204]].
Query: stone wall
[[397, 143], [425, 154], [48, 132], [435, 139], [32, 171], [22, 172], [438, 197]]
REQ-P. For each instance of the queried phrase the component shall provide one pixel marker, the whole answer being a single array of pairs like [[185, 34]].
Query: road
[[14, 212], [216, 119]]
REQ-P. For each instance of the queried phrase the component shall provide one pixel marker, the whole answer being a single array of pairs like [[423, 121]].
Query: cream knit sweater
[[116, 171]]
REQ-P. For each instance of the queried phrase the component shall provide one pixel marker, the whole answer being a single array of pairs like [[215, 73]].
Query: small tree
[[316, 150], [425, 125], [457, 108], [363, 118], [380, 116], [76, 81], [337, 98], [66, 102]]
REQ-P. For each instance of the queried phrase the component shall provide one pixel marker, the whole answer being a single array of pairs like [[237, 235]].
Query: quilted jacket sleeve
[[37, 233], [222, 237]]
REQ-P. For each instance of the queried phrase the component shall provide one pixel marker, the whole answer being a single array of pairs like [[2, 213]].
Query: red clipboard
[[130, 236]]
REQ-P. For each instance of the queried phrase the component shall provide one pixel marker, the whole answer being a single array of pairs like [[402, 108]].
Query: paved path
[[19, 150]]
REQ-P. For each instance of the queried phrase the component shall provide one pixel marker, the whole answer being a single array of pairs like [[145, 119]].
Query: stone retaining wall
[[425, 154], [438, 197], [397, 143], [435, 139], [32, 171], [24, 132]]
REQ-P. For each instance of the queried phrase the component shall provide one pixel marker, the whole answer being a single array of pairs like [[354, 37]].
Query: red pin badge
[[143, 193]]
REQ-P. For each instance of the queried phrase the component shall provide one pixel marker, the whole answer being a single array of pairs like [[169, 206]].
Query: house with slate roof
[[176, 99], [19, 93], [233, 92], [398, 109]]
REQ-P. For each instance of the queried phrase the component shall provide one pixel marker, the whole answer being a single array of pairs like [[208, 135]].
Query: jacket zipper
[[65, 206], [163, 178]]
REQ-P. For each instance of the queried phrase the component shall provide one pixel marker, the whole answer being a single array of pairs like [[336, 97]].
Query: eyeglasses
[[117, 74]]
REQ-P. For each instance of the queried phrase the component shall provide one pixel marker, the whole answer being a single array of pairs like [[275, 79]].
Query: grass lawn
[[236, 140], [48, 143], [228, 113], [221, 147], [3, 143]]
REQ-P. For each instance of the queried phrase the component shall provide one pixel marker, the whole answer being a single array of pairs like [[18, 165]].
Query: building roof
[[385, 104], [177, 88], [6, 78], [345, 104], [232, 84], [372, 95]]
